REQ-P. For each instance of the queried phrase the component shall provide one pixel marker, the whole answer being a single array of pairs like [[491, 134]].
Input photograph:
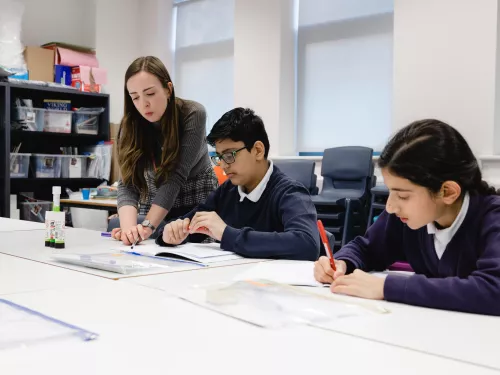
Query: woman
[[162, 153]]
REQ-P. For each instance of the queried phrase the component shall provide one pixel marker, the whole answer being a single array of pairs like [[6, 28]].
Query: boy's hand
[[208, 223], [176, 232]]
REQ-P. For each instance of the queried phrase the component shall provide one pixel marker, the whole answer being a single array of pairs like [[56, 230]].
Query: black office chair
[[347, 179], [301, 171]]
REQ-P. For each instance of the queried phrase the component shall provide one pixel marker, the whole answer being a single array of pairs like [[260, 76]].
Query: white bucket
[[88, 218]]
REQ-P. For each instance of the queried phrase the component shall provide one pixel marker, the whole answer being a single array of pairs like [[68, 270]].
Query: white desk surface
[[466, 337], [10, 225], [172, 282], [31, 246], [19, 276], [415, 339], [143, 331]]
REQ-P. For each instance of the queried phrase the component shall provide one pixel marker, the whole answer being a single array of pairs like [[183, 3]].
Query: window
[[204, 54], [344, 73]]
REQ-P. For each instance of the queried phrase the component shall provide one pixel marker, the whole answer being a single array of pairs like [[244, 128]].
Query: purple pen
[[105, 234]]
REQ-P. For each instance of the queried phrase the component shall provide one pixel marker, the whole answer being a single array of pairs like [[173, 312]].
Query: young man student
[[259, 212]]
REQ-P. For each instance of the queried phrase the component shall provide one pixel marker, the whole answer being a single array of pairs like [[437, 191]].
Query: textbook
[[203, 253]]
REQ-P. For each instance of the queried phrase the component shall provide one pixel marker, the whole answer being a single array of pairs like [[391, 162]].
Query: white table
[[466, 337], [141, 324], [173, 282], [144, 331], [31, 246], [19, 276], [10, 225]]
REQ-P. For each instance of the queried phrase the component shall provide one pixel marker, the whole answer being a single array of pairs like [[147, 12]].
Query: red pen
[[329, 252]]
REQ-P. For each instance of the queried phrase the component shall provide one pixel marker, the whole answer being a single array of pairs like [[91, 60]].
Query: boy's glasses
[[228, 157]]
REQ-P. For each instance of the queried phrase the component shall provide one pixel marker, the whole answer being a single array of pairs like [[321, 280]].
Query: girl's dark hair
[[137, 138], [430, 152]]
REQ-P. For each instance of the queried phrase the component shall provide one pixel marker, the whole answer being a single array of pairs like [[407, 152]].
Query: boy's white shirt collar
[[442, 237], [256, 193]]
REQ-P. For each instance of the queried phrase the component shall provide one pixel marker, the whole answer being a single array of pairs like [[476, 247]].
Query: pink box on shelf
[[86, 78]]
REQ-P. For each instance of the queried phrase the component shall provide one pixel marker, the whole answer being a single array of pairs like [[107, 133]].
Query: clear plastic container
[[31, 119], [35, 211], [86, 121], [74, 166], [47, 166], [57, 121], [19, 165]]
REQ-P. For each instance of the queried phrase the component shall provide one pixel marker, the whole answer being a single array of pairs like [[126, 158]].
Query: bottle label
[[47, 229], [52, 228], [59, 229]]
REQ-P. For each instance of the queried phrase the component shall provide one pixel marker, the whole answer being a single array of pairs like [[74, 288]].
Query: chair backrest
[[349, 167], [221, 177], [301, 171]]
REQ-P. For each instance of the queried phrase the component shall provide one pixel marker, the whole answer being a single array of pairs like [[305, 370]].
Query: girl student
[[440, 215]]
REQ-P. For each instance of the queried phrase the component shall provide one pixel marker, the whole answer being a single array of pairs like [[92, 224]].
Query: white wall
[[263, 67], [156, 31], [445, 66], [204, 55], [117, 45], [69, 21], [125, 30]]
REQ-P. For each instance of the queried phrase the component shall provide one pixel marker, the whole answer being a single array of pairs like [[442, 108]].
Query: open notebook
[[293, 272], [194, 252], [290, 272]]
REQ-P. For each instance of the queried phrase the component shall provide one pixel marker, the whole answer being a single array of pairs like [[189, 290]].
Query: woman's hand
[[134, 234]]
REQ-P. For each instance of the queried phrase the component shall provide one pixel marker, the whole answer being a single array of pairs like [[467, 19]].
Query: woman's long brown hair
[[137, 139]]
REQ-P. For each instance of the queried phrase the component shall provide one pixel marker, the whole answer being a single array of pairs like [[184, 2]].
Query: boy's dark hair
[[430, 152], [240, 124]]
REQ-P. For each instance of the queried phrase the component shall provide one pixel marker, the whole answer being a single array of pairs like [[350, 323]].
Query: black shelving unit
[[43, 142]]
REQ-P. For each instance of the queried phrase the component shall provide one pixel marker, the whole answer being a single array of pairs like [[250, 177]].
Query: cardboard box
[[40, 63]]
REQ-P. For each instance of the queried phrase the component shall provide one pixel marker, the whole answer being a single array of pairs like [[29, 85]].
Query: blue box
[[57, 104], [62, 74], [19, 73]]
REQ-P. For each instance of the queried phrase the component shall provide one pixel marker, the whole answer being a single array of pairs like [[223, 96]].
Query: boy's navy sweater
[[282, 224], [466, 278]]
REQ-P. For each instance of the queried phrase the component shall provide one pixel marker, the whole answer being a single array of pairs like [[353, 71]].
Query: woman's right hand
[[324, 273], [127, 236]]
